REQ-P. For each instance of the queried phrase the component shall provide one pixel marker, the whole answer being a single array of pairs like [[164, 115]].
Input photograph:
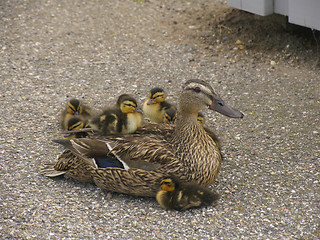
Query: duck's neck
[[185, 118], [187, 127]]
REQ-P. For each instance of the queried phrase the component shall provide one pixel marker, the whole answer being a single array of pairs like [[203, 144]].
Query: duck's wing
[[137, 156], [85, 147], [151, 143], [134, 181]]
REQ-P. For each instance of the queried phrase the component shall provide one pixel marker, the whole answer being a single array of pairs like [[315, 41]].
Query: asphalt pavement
[[53, 50]]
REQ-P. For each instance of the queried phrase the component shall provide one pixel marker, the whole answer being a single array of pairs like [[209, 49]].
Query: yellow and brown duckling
[[73, 125], [155, 106], [125, 118], [201, 120], [175, 194], [75, 108], [170, 116]]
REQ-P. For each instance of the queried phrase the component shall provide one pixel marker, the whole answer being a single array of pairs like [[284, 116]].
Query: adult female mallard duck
[[175, 194], [75, 108], [125, 118], [184, 150], [155, 106]]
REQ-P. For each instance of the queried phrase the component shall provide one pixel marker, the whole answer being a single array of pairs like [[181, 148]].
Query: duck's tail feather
[[49, 171]]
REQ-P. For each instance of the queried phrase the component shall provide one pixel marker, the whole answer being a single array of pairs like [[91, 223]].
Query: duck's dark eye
[[197, 89]]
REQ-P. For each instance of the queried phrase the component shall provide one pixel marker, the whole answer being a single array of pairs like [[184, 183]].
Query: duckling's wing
[[87, 112], [165, 105], [64, 118], [199, 196], [185, 198], [191, 205]]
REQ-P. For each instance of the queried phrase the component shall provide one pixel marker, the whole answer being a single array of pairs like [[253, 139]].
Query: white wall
[[301, 12]]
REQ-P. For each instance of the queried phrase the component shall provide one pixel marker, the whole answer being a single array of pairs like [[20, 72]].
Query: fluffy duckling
[[154, 107], [181, 196], [169, 116], [76, 124], [125, 118], [201, 120], [74, 109]]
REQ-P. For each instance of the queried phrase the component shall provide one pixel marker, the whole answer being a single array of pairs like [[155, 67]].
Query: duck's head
[[74, 124], [74, 107], [200, 119], [169, 116], [168, 184], [128, 104], [157, 95], [198, 95]]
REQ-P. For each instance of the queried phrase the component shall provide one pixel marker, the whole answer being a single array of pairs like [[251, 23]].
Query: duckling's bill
[[139, 110]]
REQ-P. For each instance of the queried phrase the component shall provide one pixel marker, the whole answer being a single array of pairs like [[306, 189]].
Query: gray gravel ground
[[95, 50]]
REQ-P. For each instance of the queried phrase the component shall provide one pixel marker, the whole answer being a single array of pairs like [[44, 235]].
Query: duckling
[[74, 109], [76, 124], [181, 196], [200, 118], [125, 118], [169, 116], [155, 106]]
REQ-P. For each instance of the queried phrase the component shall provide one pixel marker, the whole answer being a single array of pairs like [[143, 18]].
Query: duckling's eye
[[197, 89]]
